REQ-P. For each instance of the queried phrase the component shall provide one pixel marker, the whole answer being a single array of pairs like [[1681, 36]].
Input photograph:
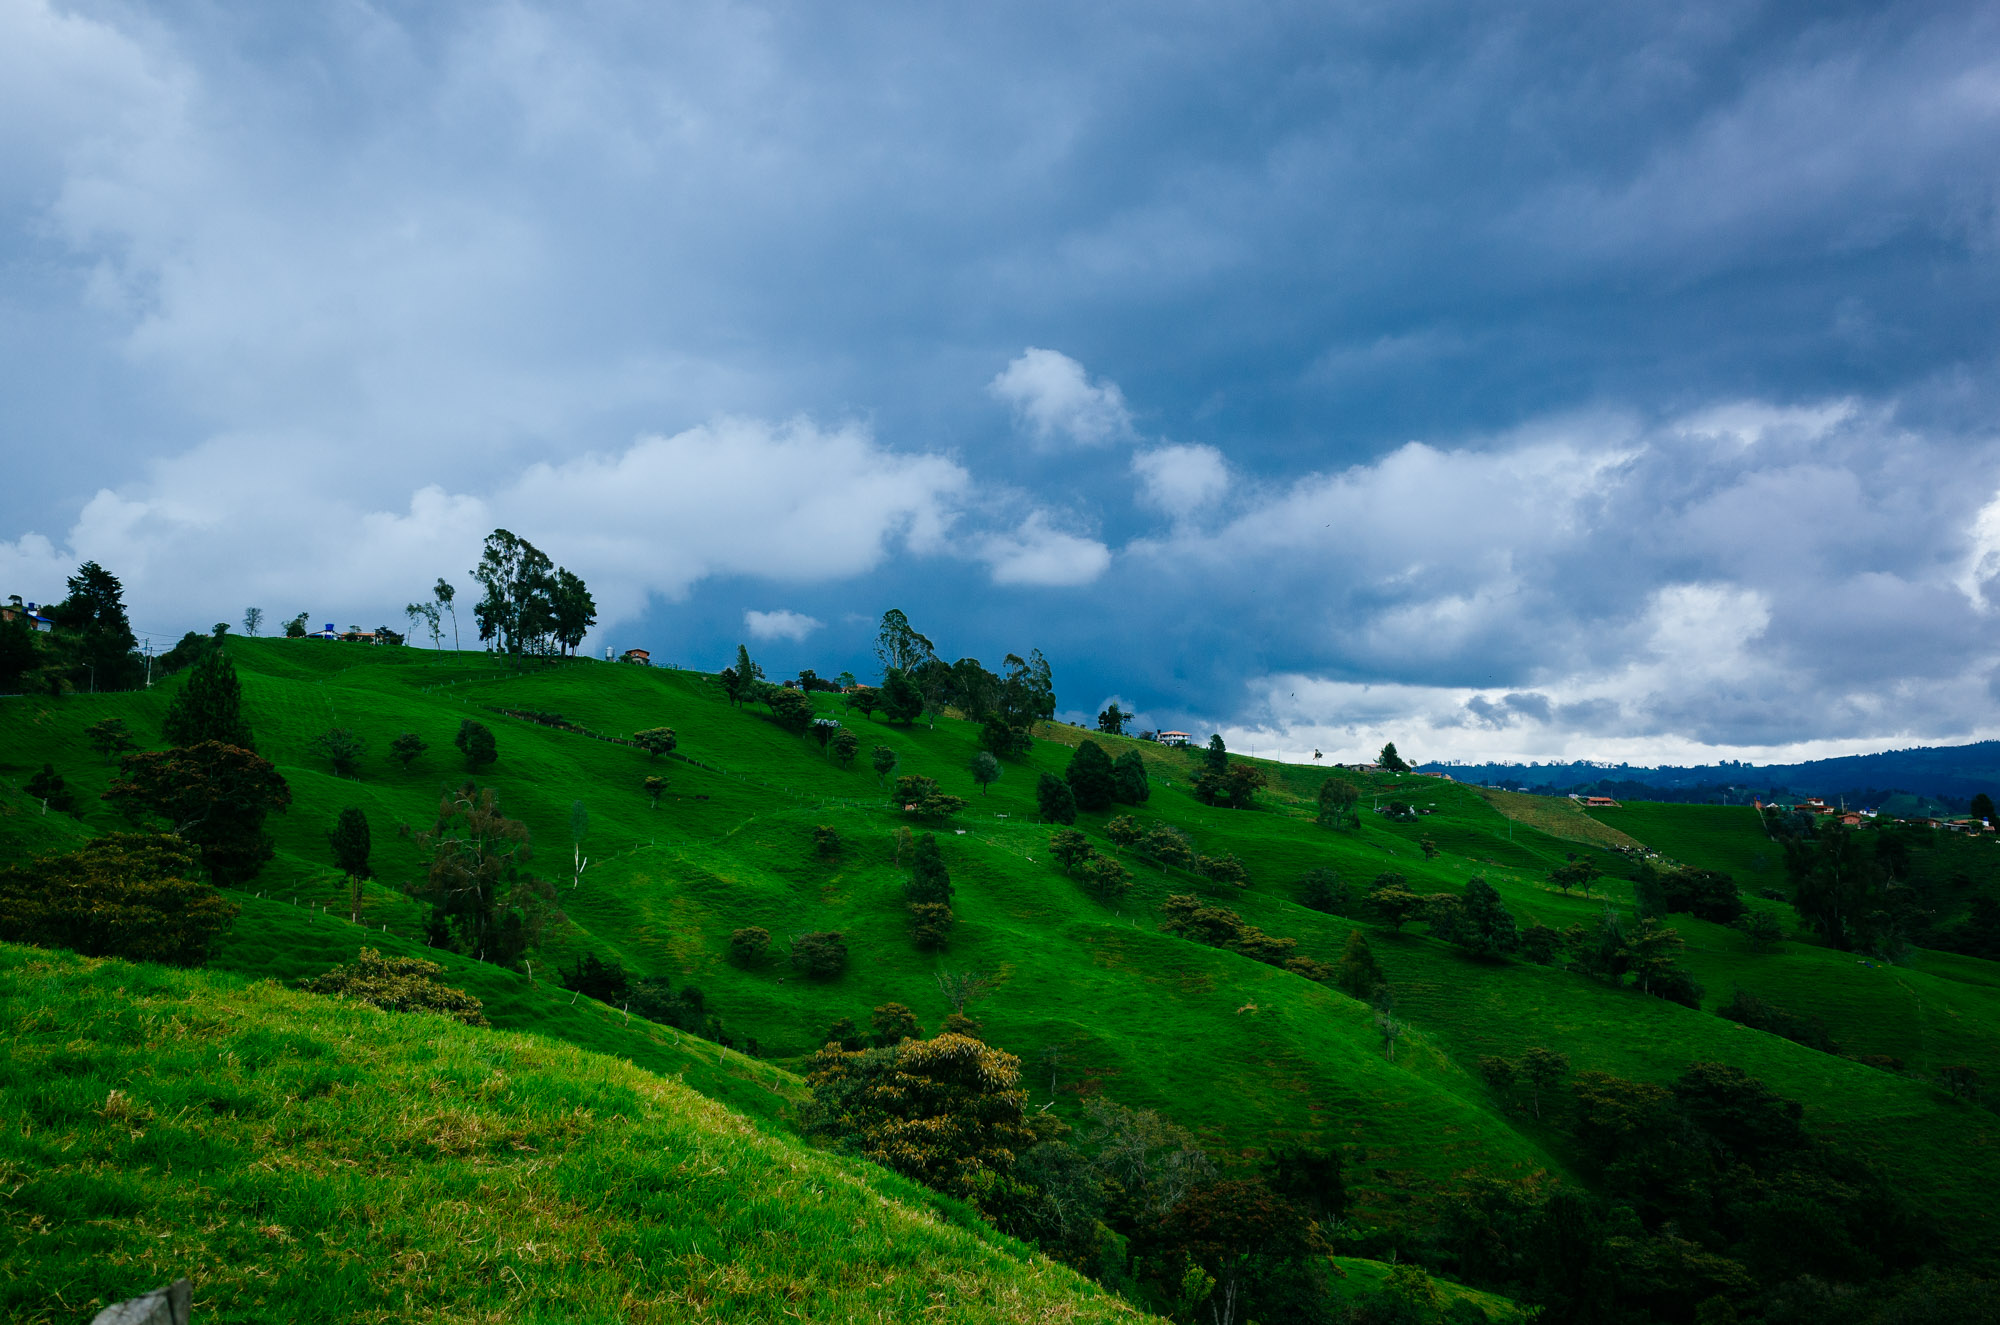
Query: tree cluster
[[1222, 783], [650, 996], [922, 798], [530, 606], [1101, 876]]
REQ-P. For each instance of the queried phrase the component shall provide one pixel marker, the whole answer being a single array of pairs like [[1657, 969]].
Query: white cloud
[[789, 502], [1037, 553], [1054, 399], [1181, 480], [782, 624]]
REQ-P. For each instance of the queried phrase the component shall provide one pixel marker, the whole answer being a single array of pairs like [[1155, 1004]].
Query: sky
[[1545, 381]]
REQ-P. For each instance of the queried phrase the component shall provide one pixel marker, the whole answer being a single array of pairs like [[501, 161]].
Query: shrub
[[826, 842], [398, 984], [894, 1024], [1748, 1010], [654, 787], [1540, 944], [1124, 831], [748, 947], [1170, 846], [819, 955], [130, 895], [475, 741]]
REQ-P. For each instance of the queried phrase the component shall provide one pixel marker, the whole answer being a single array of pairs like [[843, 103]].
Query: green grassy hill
[[1094, 999], [303, 1158]]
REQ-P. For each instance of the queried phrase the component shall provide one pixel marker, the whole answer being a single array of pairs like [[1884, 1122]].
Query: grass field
[[1094, 999]]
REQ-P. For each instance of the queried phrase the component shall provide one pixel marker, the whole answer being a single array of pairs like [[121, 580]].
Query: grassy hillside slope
[[1093, 998], [310, 1159]]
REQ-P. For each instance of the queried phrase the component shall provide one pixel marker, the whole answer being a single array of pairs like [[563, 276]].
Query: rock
[[162, 1306]]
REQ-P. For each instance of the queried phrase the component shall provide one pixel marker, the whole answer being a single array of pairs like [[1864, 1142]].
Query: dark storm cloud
[[1109, 329]]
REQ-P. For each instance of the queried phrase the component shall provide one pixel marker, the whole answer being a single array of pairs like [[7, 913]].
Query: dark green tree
[[741, 682], [1027, 693], [1129, 785], [20, 657], [1481, 924], [215, 796], [929, 880], [883, 761], [1089, 777], [49, 787], [844, 747], [790, 710], [110, 737], [1215, 759], [1336, 802], [1982, 807], [820, 955], [339, 747], [1113, 719], [1321, 890], [1055, 803], [749, 946], [571, 609], [350, 842], [901, 700], [1390, 761], [475, 741], [209, 707], [406, 746], [518, 608], [985, 770], [477, 877], [95, 636], [1357, 972]]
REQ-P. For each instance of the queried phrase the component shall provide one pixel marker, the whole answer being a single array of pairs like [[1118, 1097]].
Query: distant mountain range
[[1953, 774]]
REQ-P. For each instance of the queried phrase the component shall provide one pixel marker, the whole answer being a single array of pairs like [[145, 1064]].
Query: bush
[[406, 747], [826, 842], [1766, 935], [1124, 831], [1170, 846], [1069, 847], [819, 955], [398, 984], [790, 709], [1358, 973], [748, 947], [130, 895], [929, 880], [894, 1024], [475, 741]]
